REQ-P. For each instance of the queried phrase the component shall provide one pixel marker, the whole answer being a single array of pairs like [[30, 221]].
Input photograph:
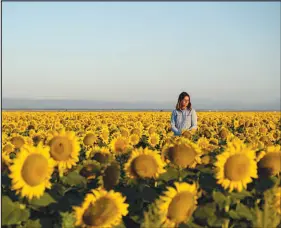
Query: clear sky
[[141, 51]]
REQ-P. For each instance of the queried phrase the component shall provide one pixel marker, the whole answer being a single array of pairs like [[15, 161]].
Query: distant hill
[[199, 104]]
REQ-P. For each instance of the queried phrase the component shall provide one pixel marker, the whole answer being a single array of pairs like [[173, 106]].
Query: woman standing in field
[[184, 116]]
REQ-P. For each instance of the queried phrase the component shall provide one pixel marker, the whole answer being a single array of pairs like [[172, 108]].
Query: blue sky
[[141, 51]]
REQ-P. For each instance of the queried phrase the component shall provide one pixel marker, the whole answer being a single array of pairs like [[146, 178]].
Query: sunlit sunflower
[[177, 204], [134, 139], [204, 144], [104, 135], [269, 161], [183, 153], [64, 149], [153, 139], [31, 171], [8, 148], [236, 166], [18, 140], [144, 163], [124, 132], [101, 209], [89, 139], [120, 145]]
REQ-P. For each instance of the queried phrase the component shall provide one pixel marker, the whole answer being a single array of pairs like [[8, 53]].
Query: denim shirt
[[183, 120]]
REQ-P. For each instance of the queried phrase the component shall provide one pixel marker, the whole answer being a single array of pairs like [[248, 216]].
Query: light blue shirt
[[183, 120]]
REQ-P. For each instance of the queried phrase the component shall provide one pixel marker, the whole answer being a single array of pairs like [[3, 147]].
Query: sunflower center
[[144, 166], [223, 134], [101, 212], [236, 167], [181, 207], [182, 155], [89, 139], [8, 148], [124, 133], [120, 145], [271, 162], [151, 130], [17, 141], [61, 148], [34, 169], [153, 141], [101, 158]]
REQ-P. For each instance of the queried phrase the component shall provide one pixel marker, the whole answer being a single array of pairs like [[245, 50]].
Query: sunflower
[[124, 132], [64, 149], [89, 139], [18, 140], [104, 135], [177, 204], [89, 169], [134, 139], [236, 166], [31, 171], [183, 153], [151, 129], [144, 163], [99, 154], [120, 145], [110, 176], [102, 209], [204, 144], [269, 161], [153, 139], [8, 148], [277, 200]]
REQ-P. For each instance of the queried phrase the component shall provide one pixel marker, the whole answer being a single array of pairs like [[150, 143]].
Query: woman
[[183, 117]]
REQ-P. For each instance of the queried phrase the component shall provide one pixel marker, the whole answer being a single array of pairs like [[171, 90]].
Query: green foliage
[[12, 213]]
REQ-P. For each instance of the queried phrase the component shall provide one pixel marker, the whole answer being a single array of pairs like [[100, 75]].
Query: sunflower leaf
[[68, 220], [233, 214], [74, 179], [170, 174], [220, 199], [12, 213], [43, 201], [32, 224], [205, 211], [244, 212]]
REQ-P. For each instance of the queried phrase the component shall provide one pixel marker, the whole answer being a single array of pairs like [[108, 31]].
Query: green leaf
[[220, 199], [32, 224], [74, 179], [171, 174], [240, 195], [213, 221], [43, 201], [12, 213], [244, 212], [205, 211], [233, 214], [68, 220]]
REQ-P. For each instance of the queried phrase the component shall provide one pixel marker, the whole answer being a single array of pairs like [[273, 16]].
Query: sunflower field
[[127, 169]]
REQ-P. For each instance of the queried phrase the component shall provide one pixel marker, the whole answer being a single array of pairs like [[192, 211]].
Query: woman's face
[[185, 102]]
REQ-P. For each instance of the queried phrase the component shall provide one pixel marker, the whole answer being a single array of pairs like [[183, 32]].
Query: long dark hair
[[181, 97]]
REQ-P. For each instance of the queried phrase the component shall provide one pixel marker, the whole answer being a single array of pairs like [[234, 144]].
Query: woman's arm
[[193, 120], [173, 124]]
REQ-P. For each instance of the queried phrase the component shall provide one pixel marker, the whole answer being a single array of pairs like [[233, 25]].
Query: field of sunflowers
[[126, 169]]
